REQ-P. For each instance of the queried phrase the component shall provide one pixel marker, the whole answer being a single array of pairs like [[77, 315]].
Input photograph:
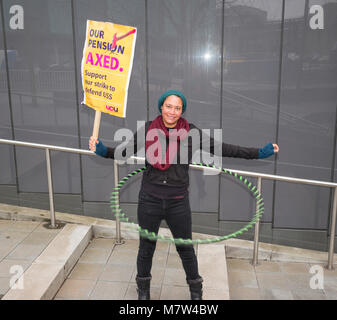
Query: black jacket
[[177, 174]]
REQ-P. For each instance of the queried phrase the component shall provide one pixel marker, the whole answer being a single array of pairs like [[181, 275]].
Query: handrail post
[[118, 223], [257, 228], [50, 190], [332, 231]]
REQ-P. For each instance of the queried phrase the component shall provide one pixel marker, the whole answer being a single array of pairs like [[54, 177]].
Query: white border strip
[[82, 63], [129, 74]]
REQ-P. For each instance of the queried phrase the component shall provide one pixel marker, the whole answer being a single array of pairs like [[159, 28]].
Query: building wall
[[253, 68]]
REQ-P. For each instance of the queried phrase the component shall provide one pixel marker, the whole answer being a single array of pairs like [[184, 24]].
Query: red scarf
[[154, 153]]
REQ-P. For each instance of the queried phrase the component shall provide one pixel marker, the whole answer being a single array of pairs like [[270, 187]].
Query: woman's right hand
[[98, 147], [92, 143]]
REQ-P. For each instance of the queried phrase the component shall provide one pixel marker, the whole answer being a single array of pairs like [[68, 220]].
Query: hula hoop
[[152, 236]]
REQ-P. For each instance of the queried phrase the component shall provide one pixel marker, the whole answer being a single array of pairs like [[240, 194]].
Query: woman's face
[[171, 110]]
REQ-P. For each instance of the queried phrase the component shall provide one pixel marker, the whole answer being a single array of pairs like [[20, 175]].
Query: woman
[[164, 191]]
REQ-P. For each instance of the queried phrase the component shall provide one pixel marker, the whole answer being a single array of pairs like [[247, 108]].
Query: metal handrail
[[257, 175]]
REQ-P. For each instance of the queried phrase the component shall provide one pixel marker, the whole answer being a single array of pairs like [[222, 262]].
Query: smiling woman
[[164, 193], [171, 111]]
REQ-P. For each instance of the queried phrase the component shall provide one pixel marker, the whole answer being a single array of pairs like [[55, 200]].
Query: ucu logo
[[112, 108]]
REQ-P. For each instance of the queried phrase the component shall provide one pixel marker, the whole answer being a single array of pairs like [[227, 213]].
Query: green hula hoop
[[114, 204]]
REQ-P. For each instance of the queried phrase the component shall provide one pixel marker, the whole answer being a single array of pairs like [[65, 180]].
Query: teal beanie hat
[[169, 93]]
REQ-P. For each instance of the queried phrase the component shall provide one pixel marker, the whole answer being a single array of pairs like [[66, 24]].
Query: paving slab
[[242, 279], [75, 289], [9, 240], [215, 294], [294, 267], [170, 292], [46, 274], [267, 266], [276, 294], [95, 255], [173, 261], [109, 290], [4, 285], [244, 293], [239, 265], [175, 277], [123, 257], [331, 294], [300, 294], [101, 243], [273, 280], [26, 252], [14, 225], [129, 246], [39, 238], [113, 272], [160, 259], [329, 282], [86, 271], [243, 249], [8, 266]]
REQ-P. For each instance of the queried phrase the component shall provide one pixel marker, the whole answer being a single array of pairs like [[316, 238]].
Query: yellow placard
[[106, 66]]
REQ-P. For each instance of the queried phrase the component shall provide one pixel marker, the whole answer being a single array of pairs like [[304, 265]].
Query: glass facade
[[254, 68]]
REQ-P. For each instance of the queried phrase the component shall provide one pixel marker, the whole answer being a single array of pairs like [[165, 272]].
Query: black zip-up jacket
[[177, 175]]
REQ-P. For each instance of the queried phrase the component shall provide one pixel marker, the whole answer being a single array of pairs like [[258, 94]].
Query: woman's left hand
[[268, 150], [276, 148]]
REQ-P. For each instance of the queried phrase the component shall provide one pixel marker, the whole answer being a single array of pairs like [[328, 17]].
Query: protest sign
[[106, 67]]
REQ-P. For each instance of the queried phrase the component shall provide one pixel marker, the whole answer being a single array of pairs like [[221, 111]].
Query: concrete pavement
[[82, 261]]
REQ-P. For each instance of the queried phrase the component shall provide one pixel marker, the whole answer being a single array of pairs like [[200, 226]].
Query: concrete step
[[107, 271], [44, 277], [213, 268], [243, 249]]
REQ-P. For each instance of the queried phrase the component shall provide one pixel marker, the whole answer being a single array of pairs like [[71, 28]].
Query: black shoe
[[143, 288], [195, 288]]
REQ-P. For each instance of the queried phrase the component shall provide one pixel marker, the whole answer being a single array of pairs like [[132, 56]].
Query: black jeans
[[177, 213]]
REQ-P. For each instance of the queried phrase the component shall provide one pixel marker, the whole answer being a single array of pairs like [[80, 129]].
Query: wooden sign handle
[[97, 122]]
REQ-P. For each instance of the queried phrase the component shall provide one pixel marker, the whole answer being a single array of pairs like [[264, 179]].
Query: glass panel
[[307, 115], [43, 93], [252, 37], [7, 165]]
